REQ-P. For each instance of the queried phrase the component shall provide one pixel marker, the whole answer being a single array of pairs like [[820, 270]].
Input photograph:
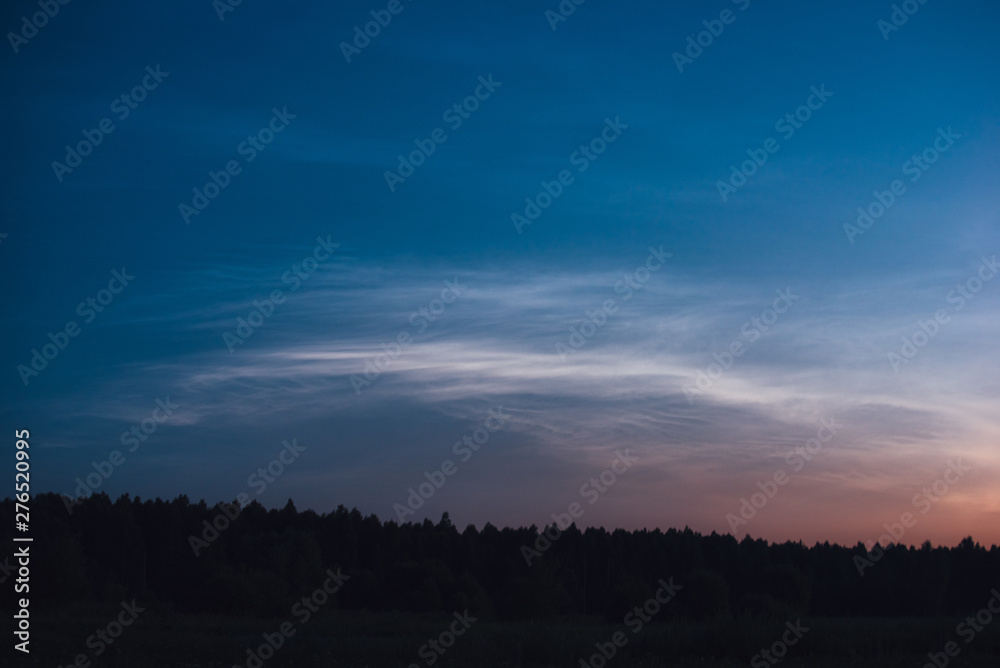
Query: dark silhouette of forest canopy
[[222, 559]]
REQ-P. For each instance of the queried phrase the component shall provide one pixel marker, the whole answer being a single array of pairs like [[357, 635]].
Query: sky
[[726, 265]]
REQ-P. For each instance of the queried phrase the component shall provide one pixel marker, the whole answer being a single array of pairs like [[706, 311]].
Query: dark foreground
[[343, 638]]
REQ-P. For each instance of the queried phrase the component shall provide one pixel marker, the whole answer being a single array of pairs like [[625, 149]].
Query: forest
[[195, 558]]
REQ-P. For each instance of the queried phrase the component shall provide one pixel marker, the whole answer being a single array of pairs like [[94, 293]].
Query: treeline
[[192, 558]]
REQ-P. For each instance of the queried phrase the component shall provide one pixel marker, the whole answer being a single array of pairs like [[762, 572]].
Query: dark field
[[350, 638]]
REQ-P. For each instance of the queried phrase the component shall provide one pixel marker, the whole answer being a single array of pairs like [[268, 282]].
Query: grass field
[[341, 638]]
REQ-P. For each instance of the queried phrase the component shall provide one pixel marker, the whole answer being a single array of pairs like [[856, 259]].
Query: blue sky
[[388, 253]]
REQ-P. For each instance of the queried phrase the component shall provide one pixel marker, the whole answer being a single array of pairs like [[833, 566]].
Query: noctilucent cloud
[[729, 265]]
